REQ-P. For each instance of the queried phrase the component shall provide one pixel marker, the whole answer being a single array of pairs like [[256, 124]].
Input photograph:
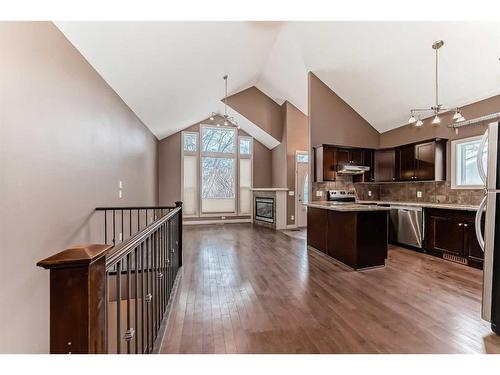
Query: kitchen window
[[464, 170]]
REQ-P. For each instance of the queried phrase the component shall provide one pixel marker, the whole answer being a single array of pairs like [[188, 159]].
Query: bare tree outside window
[[218, 173]]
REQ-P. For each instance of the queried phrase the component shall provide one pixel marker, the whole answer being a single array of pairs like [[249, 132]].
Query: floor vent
[[455, 259]]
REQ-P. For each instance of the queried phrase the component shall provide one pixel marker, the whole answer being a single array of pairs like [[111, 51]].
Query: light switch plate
[[369, 193], [292, 217], [291, 192], [419, 194], [319, 193], [120, 184], [120, 194]]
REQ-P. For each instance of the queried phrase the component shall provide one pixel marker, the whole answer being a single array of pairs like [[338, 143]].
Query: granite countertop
[[446, 206], [347, 207]]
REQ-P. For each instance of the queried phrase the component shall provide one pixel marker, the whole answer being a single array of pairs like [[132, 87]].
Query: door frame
[[299, 152]]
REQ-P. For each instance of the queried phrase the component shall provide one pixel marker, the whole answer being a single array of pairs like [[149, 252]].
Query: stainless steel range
[[341, 196]]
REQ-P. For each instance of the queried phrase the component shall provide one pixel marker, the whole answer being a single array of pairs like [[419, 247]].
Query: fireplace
[[264, 209]]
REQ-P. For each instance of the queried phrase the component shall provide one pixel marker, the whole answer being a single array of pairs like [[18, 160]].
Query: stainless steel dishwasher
[[406, 225]]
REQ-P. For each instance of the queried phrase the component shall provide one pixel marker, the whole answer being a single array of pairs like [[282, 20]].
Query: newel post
[[179, 204], [77, 299]]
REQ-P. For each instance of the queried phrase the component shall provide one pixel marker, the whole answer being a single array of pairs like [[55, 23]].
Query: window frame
[[453, 152], [226, 155], [191, 153], [250, 157]]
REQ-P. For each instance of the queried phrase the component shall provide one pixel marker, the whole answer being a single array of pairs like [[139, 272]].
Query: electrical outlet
[[369, 193], [292, 217], [419, 194], [120, 184], [319, 193], [291, 192], [223, 218]]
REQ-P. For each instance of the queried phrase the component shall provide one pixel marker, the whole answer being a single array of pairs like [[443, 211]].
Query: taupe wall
[[169, 165], [296, 140], [333, 121], [66, 139], [260, 109], [279, 162]]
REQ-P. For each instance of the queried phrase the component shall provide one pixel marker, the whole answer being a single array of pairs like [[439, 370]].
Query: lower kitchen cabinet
[[318, 228], [450, 234]]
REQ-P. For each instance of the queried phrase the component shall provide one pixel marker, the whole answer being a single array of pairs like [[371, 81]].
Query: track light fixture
[[437, 109]]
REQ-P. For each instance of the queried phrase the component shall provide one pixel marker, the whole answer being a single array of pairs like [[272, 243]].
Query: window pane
[[245, 146], [305, 190], [218, 140], [466, 163], [245, 185], [190, 185], [218, 178], [302, 158], [190, 141]]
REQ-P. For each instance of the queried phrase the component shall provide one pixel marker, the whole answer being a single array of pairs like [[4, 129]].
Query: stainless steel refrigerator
[[489, 170]]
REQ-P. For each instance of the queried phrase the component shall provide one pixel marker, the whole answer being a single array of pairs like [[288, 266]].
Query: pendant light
[[226, 119], [437, 109]]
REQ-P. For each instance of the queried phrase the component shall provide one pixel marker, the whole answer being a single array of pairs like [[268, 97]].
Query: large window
[[222, 169], [464, 171]]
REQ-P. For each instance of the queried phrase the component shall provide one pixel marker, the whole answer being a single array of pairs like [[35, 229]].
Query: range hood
[[351, 169]]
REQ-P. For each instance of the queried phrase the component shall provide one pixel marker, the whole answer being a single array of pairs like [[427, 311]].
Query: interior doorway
[[301, 187]]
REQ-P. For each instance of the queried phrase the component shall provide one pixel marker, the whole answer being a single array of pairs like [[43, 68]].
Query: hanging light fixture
[[226, 120], [437, 109]]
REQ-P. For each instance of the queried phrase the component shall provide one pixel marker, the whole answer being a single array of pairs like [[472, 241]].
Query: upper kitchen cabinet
[[325, 164], [327, 158], [425, 161], [384, 164]]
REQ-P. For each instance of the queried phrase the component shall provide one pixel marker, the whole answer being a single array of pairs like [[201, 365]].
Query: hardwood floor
[[249, 289]]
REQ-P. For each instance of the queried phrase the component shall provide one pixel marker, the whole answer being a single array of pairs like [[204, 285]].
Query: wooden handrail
[[78, 284], [75, 257], [125, 247]]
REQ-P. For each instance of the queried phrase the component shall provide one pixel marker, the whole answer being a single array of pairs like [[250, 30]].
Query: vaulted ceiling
[[170, 73]]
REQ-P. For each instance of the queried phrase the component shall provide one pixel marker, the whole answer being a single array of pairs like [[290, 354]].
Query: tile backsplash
[[425, 191]]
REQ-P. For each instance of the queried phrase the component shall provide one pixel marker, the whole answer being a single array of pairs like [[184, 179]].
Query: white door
[[302, 198]]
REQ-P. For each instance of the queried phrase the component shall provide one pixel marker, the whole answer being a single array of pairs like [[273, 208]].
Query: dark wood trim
[[77, 299]]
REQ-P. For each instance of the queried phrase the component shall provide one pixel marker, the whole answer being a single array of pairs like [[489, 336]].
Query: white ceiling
[[169, 73]]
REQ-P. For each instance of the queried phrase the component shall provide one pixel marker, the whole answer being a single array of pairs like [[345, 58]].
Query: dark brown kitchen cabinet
[[327, 158], [318, 229], [451, 234], [384, 165], [325, 164], [425, 161]]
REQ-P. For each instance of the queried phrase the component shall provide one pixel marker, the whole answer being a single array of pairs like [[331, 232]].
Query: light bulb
[[419, 122], [412, 119], [457, 115], [436, 120]]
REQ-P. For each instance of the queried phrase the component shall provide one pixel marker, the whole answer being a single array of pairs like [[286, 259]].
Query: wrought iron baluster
[[136, 301], [129, 334], [118, 306]]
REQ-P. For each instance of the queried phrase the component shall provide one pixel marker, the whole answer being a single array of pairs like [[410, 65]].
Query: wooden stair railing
[[113, 299]]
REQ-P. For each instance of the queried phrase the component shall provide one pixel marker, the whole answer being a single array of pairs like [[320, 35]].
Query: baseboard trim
[[201, 222]]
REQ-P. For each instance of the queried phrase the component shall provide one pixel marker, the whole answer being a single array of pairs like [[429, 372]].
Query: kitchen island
[[354, 234]]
